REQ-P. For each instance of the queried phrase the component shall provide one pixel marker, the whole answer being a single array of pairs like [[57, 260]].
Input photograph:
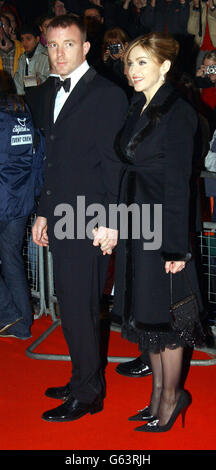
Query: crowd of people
[[159, 57]]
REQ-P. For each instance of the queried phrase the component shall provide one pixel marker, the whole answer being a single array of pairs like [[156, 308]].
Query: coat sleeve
[[179, 144], [111, 117]]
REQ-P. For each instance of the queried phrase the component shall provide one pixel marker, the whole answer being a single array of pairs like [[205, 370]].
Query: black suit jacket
[[81, 160]]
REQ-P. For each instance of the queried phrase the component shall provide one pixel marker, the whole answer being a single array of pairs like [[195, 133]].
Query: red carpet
[[24, 381]]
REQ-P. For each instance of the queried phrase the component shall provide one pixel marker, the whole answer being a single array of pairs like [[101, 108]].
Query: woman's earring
[[162, 78]]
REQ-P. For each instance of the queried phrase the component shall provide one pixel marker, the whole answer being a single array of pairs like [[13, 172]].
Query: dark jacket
[[173, 16], [22, 156], [80, 156]]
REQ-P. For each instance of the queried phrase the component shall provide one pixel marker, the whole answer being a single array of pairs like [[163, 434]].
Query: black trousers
[[79, 282]]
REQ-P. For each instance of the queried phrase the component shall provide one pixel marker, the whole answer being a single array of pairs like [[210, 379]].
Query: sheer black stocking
[[166, 374], [157, 379], [172, 367]]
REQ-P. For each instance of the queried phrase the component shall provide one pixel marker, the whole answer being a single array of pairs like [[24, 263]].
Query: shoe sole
[[132, 375], [62, 420]]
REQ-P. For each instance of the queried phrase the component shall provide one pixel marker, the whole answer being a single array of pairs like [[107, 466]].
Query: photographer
[[114, 43], [206, 81]]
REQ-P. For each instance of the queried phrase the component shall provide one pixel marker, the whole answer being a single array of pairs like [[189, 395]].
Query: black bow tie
[[65, 83]]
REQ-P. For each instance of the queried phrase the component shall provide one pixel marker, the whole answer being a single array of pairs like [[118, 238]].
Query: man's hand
[[107, 239], [39, 232]]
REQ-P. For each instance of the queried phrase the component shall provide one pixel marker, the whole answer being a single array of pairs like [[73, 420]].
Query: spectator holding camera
[[114, 44], [206, 81]]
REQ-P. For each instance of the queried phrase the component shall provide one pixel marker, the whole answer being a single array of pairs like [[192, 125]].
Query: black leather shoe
[[73, 409], [142, 415], [60, 393], [136, 368]]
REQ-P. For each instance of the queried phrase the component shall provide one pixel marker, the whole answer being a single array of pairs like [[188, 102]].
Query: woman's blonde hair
[[159, 46]]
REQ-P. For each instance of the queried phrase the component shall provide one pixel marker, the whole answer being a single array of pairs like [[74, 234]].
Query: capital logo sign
[[19, 129]]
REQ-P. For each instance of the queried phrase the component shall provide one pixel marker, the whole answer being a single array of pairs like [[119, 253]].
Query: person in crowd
[[10, 49], [94, 23], [126, 15], [171, 16], [8, 6], [75, 132], [21, 173], [206, 81], [166, 16], [33, 67], [202, 24], [156, 150], [59, 7], [42, 23], [115, 42], [206, 78], [15, 30]]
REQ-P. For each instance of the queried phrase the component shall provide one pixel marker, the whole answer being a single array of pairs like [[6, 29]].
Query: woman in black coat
[[156, 148]]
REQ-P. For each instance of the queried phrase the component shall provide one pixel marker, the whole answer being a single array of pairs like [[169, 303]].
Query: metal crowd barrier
[[40, 276], [39, 269]]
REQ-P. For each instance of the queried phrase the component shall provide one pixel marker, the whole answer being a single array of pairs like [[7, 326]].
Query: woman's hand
[[174, 266], [107, 239]]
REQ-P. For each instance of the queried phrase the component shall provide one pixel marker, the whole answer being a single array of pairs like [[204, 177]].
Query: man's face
[[59, 8], [138, 3], [92, 19], [5, 29], [29, 42], [66, 49], [44, 26]]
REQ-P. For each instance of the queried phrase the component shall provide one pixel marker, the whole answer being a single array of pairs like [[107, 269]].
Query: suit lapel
[[76, 95]]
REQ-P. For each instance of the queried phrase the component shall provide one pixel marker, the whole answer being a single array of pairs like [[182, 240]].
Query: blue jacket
[[22, 155]]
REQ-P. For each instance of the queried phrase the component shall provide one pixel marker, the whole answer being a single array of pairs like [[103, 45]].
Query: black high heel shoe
[[143, 415], [181, 407]]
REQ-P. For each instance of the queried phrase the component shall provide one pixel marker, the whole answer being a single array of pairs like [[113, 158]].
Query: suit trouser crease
[[77, 286]]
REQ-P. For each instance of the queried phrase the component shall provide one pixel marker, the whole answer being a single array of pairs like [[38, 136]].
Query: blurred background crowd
[[111, 24]]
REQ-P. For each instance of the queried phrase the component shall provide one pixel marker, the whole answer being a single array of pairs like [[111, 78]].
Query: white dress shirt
[[62, 95]]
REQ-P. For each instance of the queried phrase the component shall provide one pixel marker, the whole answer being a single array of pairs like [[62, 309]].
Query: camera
[[210, 69], [114, 48]]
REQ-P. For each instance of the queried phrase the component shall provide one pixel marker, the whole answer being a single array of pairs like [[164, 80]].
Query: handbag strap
[[171, 285]]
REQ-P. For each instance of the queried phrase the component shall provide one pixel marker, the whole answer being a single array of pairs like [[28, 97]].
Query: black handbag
[[185, 313]]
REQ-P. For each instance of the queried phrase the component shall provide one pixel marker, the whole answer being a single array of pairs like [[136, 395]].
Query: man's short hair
[[92, 6], [65, 21], [30, 29]]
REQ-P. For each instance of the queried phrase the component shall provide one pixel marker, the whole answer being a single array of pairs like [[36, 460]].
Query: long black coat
[[156, 150]]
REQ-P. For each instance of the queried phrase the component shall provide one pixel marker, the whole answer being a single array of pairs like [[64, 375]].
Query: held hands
[[107, 239], [39, 232], [174, 266]]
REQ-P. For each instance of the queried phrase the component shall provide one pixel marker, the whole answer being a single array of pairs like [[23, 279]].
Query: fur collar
[[159, 106]]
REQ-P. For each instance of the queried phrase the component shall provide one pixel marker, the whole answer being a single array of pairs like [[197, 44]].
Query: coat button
[[49, 192], [52, 137]]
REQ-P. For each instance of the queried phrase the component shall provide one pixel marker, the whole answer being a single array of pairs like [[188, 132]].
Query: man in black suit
[[81, 118]]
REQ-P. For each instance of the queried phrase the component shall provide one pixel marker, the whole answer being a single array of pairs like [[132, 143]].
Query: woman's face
[[144, 72], [209, 62]]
